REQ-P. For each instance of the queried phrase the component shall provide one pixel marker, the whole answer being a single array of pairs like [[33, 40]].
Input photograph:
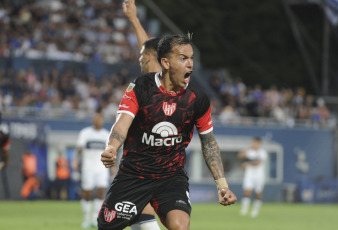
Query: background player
[[156, 121], [4, 158], [254, 176], [90, 144], [148, 63], [4, 148], [148, 47]]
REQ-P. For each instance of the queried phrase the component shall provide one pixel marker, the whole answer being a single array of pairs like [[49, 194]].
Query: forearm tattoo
[[212, 155], [117, 136]]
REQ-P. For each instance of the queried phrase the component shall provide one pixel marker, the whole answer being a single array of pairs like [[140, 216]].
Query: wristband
[[108, 147], [221, 183]]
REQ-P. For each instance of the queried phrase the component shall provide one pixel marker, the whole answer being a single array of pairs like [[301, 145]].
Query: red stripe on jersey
[[129, 103], [204, 123], [171, 93]]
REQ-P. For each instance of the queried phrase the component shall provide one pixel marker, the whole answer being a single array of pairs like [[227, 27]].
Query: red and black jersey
[[162, 128]]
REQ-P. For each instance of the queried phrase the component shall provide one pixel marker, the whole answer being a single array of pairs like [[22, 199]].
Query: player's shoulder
[[198, 92], [145, 80], [87, 129]]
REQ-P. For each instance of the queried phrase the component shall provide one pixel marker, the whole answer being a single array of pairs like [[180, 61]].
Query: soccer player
[[148, 63], [148, 47], [4, 149], [4, 158], [155, 124], [254, 176], [90, 144]]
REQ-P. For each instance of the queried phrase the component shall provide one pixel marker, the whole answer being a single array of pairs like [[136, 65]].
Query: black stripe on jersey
[[95, 145]]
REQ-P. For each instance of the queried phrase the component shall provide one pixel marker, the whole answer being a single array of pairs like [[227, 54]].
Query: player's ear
[[165, 63]]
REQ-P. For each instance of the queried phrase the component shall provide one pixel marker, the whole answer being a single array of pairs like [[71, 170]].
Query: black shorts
[[128, 196]]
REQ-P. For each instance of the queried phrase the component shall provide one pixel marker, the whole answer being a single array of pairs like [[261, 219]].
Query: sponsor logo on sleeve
[[124, 106], [130, 87], [126, 97]]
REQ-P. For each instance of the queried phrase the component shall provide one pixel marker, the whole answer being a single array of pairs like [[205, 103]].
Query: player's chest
[[169, 108]]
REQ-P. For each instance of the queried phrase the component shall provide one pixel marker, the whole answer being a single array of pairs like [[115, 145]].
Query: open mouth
[[187, 74], [187, 77]]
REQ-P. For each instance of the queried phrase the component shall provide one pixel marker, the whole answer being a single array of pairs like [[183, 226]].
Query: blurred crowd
[[76, 30], [88, 30], [280, 105], [58, 94]]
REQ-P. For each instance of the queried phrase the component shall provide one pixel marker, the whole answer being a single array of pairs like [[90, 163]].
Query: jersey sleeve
[[129, 103], [204, 121], [81, 140]]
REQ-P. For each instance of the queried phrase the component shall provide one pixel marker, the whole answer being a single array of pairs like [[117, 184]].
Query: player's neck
[[97, 128], [166, 83], [155, 68]]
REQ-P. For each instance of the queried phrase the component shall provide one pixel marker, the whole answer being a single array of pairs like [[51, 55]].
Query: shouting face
[[179, 65]]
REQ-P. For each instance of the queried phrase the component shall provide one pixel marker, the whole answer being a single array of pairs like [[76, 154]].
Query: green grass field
[[66, 215]]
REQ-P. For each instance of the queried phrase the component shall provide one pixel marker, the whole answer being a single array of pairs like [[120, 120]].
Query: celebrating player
[[157, 115], [91, 142], [254, 176], [148, 62]]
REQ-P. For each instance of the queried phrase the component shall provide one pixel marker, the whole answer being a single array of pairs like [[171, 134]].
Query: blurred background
[[269, 67]]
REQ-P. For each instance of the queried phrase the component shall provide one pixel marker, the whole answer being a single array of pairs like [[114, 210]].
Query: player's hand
[[108, 157], [129, 9], [226, 197]]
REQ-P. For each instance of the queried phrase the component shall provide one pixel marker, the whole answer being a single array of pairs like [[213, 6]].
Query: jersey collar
[[163, 90]]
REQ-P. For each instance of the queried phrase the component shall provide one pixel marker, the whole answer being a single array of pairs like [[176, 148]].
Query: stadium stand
[[63, 59]]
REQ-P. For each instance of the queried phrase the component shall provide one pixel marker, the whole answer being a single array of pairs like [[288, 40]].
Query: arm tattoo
[[117, 136], [212, 155]]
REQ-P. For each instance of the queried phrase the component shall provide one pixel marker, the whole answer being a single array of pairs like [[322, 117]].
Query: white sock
[[86, 209], [245, 205], [97, 207], [150, 225], [256, 206]]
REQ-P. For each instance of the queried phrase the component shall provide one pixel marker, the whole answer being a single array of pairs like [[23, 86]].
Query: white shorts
[[253, 183], [91, 180]]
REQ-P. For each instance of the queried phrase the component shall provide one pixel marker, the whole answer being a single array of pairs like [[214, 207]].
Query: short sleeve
[[129, 103], [203, 122]]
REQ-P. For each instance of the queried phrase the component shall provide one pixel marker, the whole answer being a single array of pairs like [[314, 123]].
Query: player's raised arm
[[130, 10], [116, 139], [213, 160]]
